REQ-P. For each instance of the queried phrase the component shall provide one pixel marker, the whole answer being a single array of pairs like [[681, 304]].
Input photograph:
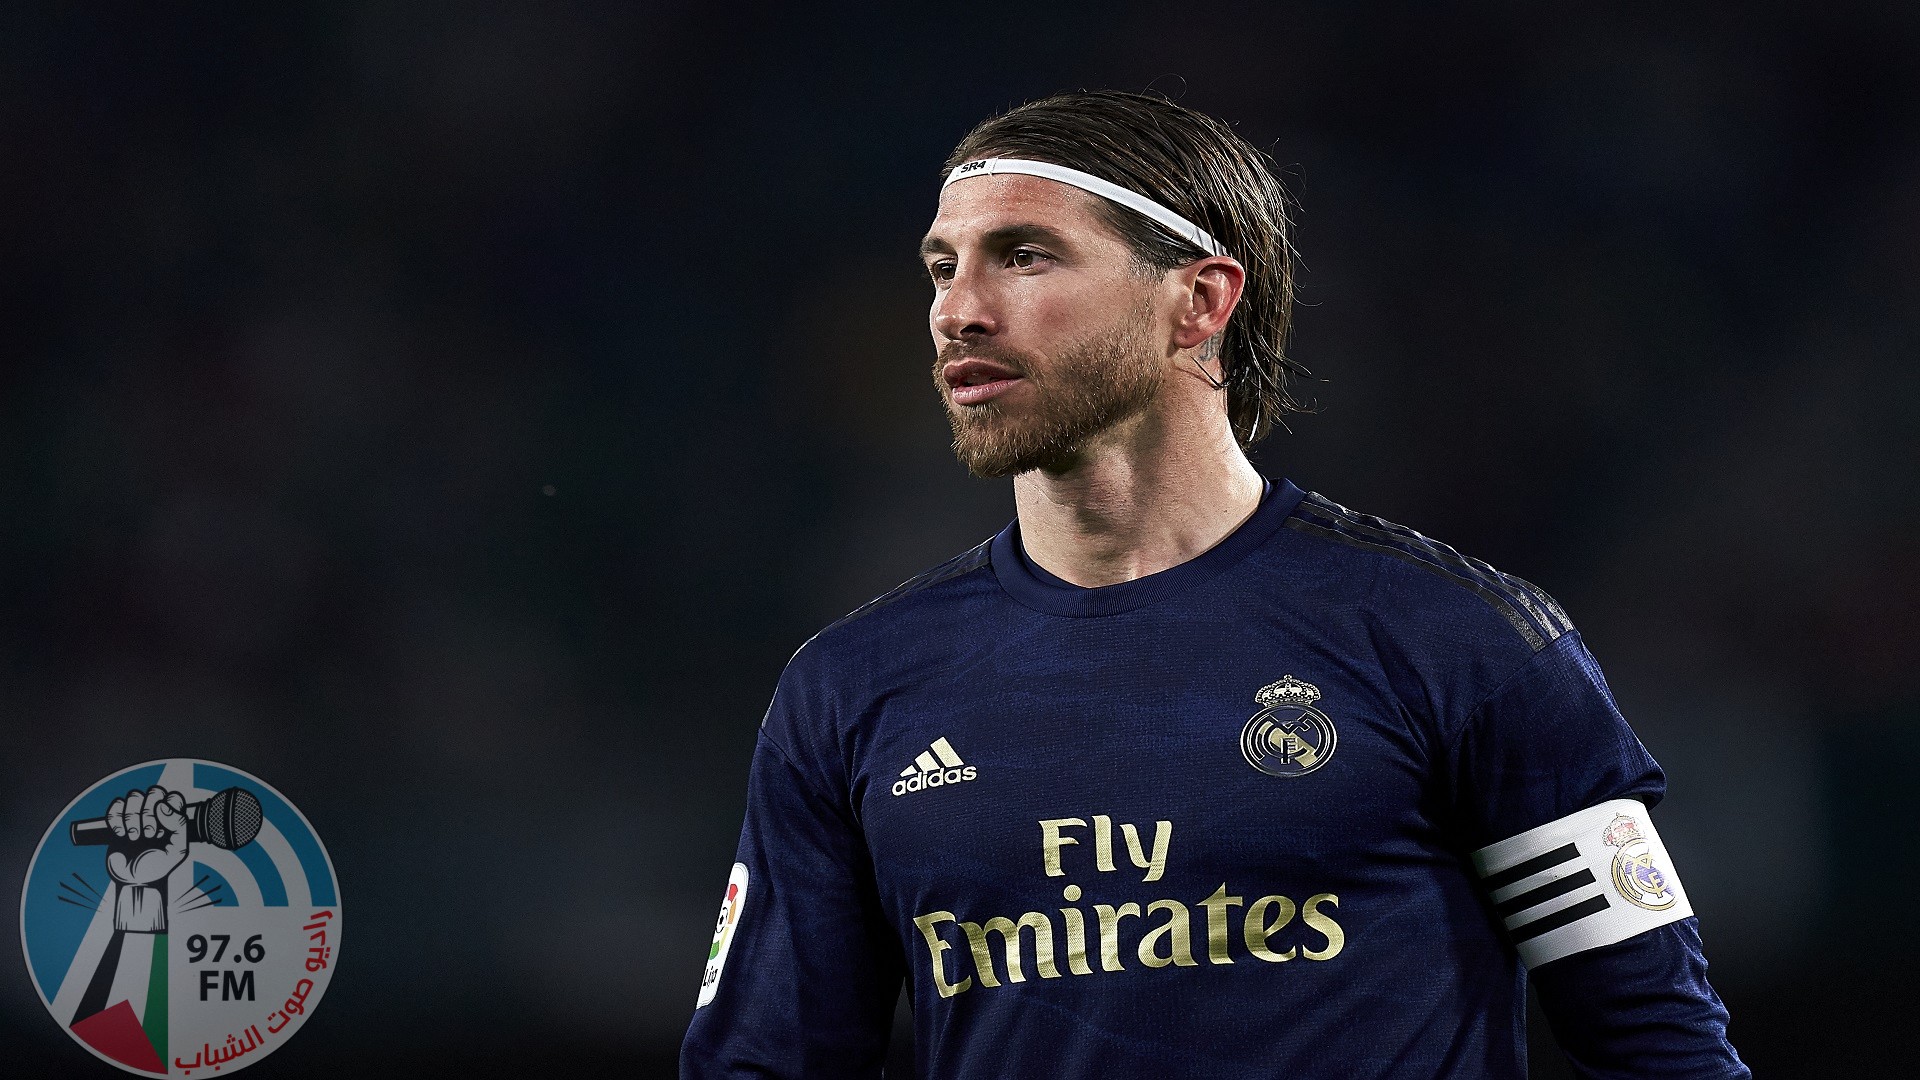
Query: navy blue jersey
[[1307, 805]]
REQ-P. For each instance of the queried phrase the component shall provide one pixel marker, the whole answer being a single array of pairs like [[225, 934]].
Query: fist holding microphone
[[147, 834]]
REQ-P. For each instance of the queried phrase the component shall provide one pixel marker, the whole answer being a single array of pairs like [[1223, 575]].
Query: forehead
[[978, 205]]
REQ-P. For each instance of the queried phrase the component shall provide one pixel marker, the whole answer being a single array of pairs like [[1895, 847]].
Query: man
[[1185, 773]]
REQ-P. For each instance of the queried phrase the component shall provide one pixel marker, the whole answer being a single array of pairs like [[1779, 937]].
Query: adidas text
[[935, 778], [936, 766]]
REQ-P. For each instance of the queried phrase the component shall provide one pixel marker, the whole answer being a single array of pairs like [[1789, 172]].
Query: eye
[[940, 271], [1025, 258]]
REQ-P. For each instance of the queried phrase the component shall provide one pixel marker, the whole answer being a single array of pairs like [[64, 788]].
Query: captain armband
[[1591, 878]]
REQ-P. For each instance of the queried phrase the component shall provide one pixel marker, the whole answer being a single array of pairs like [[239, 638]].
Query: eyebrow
[[1005, 236]]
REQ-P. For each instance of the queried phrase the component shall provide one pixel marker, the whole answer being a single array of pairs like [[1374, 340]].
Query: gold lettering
[[1076, 935], [935, 947], [1163, 943], [1009, 931], [1258, 930], [1110, 932], [1162, 836], [1336, 937], [1051, 842], [1217, 906], [1175, 930], [1102, 843]]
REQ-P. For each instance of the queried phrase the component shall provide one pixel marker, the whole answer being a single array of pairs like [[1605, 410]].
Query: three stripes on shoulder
[[1528, 609]]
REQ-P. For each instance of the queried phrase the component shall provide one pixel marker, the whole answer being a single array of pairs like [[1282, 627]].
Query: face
[[1044, 327]]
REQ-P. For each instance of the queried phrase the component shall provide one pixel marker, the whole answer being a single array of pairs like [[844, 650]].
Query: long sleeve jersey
[[1311, 804]]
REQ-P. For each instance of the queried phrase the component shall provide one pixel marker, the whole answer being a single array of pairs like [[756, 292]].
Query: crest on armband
[[1636, 876]]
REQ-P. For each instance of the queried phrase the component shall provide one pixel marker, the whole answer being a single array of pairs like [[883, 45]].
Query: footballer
[[1187, 772]]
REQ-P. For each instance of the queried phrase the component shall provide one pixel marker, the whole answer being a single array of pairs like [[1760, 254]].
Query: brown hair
[[1197, 167]]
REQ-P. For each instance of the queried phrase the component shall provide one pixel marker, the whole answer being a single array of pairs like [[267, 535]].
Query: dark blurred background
[[457, 414]]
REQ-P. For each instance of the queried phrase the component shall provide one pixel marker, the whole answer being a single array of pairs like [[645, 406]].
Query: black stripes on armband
[[1589, 879]]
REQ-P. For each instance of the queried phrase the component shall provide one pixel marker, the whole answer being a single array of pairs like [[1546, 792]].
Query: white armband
[[1589, 879]]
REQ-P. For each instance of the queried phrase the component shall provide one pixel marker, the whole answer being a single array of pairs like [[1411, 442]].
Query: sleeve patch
[[1592, 878], [730, 909]]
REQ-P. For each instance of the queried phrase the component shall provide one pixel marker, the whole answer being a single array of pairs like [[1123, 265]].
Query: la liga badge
[[181, 918], [730, 908]]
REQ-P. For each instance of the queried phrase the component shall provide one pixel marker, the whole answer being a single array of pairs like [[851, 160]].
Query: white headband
[[1134, 201]]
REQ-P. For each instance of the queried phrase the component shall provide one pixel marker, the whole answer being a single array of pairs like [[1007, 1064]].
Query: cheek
[[1041, 312], [1067, 315]]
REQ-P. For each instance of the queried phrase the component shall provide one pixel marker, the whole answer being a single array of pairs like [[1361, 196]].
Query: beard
[[1085, 390]]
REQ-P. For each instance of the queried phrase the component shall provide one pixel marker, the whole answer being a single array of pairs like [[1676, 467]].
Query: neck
[[1151, 495]]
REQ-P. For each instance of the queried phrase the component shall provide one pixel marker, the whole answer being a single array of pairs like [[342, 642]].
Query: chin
[[1001, 453]]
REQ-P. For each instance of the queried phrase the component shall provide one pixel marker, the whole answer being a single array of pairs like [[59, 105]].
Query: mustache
[[959, 350]]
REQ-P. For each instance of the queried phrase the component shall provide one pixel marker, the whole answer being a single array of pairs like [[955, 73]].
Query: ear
[[1209, 290]]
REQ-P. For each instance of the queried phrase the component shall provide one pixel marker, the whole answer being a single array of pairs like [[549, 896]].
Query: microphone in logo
[[228, 820]]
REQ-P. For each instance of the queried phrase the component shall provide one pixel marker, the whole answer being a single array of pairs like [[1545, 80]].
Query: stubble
[[1075, 396]]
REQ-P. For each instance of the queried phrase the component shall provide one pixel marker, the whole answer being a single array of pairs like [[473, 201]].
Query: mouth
[[976, 382]]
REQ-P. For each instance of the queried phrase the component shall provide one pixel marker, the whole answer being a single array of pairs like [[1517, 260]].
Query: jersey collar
[[1034, 587]]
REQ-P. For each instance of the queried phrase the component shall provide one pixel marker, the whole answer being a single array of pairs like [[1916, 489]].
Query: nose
[[963, 309]]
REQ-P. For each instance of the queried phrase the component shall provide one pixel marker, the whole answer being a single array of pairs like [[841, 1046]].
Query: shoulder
[[818, 718], [916, 609], [1419, 579], [911, 596], [879, 645]]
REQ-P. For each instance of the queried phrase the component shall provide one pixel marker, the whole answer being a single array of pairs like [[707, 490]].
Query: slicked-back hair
[[1199, 168]]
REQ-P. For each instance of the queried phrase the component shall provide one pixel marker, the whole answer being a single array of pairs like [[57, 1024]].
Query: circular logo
[[1288, 740], [1638, 879], [180, 917]]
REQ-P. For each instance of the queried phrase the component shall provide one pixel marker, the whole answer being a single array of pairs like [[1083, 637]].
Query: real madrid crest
[[1288, 736], [1635, 874]]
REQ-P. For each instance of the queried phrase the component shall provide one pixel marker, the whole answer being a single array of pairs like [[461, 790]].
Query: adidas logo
[[934, 767]]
